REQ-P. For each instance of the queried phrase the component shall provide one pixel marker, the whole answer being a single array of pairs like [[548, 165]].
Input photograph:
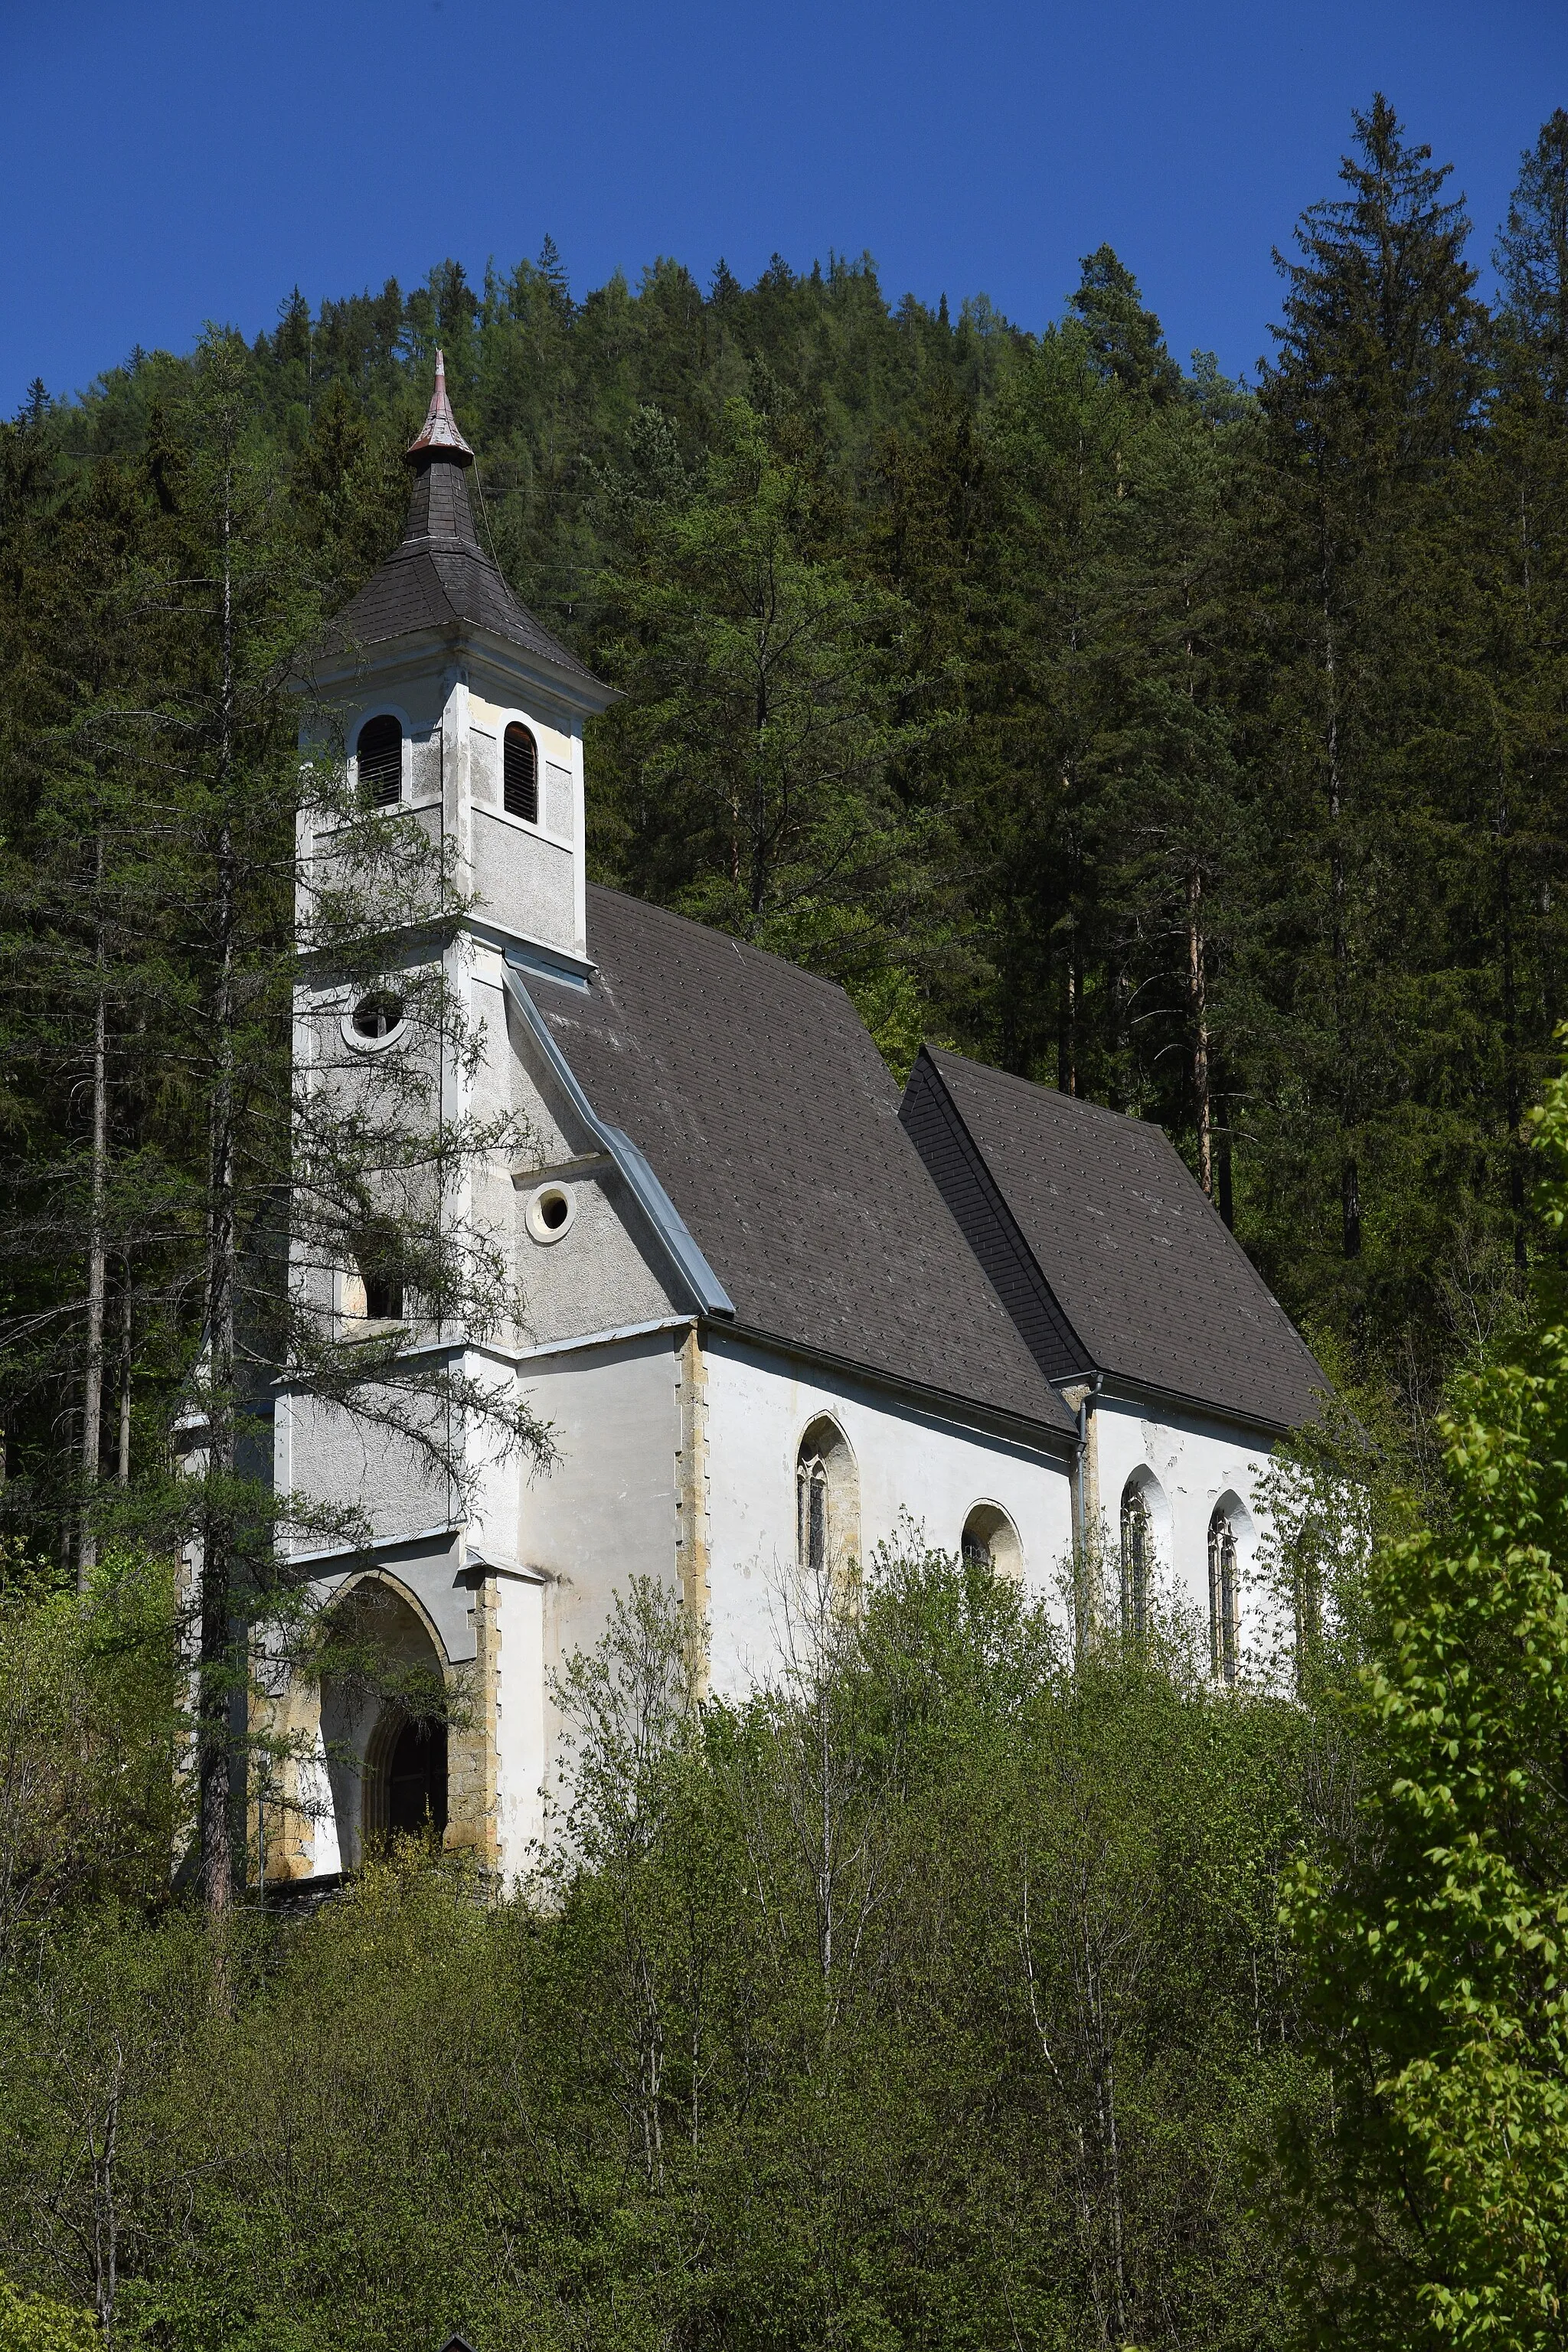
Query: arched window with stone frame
[[1137, 1561], [826, 1504], [1224, 1614], [990, 1540]]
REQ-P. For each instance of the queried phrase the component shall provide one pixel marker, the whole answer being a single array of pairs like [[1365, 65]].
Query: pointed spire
[[440, 437]]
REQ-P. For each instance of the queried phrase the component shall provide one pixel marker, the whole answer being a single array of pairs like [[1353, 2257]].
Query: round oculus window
[[550, 1212], [376, 1019]]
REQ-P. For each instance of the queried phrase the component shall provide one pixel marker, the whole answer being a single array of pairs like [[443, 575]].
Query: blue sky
[[167, 163]]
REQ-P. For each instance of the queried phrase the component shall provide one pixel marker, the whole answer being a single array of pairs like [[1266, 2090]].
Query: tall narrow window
[[381, 760], [826, 1510], [1137, 1551], [1223, 1621], [519, 775], [811, 1513]]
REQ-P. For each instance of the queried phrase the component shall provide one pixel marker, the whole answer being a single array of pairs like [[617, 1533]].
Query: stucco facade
[[749, 1317]]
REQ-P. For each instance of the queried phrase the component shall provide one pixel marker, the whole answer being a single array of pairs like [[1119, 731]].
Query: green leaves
[[1433, 1933]]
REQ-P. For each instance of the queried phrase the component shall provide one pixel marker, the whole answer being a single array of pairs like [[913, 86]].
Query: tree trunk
[[1514, 1088], [1349, 1174], [215, 1743], [1197, 984], [122, 1467], [96, 1264]]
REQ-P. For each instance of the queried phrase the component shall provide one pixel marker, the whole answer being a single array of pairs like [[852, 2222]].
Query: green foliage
[[36, 2322], [764, 685], [933, 1994], [1434, 1936], [90, 1719]]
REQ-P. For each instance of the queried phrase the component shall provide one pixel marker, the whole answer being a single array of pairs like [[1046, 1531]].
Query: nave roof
[[769, 1119], [1108, 1253]]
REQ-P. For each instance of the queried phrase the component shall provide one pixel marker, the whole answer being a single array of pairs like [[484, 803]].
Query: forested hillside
[[1197, 749], [1193, 749]]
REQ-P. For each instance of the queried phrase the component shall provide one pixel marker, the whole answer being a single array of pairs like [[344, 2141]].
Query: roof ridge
[[1078, 1104]]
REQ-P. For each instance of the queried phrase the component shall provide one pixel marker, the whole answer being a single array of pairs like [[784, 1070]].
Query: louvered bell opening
[[520, 784], [381, 760]]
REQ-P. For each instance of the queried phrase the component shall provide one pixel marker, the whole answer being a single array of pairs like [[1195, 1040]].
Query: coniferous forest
[[1195, 747]]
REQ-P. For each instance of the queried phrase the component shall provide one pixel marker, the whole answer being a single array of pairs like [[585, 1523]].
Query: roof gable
[[1141, 1268], [771, 1121]]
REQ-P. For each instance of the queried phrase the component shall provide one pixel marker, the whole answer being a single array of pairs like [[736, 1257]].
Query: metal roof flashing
[[705, 1290]]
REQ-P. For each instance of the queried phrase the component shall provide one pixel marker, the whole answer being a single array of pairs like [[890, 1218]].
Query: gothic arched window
[[1137, 1560], [827, 1514], [811, 1513], [1224, 1620], [520, 773], [381, 759]]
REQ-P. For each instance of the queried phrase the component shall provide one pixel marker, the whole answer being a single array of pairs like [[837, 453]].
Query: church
[[774, 1313]]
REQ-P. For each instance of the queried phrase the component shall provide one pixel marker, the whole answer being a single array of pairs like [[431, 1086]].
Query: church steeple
[[474, 713], [439, 435], [440, 577], [439, 514]]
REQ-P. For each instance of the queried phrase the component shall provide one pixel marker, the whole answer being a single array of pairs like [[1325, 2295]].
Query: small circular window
[[550, 1212], [376, 1020]]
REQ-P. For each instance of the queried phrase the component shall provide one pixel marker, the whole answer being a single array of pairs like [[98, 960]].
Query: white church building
[[772, 1313]]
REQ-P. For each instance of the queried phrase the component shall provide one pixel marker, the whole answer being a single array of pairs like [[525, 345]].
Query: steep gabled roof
[[439, 576], [770, 1119], [1104, 1246]]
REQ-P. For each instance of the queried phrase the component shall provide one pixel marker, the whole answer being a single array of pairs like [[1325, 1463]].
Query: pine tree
[[763, 683]]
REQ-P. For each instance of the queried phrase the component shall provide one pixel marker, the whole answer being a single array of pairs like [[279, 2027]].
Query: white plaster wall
[[908, 1461], [599, 1275], [521, 1728], [336, 1457], [607, 1510], [1196, 1461]]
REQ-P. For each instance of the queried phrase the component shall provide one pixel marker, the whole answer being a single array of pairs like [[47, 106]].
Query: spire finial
[[440, 429]]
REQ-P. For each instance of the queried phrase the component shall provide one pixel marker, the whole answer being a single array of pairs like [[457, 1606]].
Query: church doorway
[[384, 1727], [417, 1780]]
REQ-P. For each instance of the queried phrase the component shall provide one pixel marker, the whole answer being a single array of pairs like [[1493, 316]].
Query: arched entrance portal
[[383, 1724], [405, 1778]]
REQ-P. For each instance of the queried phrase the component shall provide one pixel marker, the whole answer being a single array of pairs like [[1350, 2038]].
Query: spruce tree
[[1372, 397], [1128, 340]]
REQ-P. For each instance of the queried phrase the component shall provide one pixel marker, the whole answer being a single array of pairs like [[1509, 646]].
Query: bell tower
[[458, 707]]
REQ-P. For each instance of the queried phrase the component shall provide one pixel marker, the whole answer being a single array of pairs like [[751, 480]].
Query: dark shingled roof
[[439, 575], [769, 1119], [1104, 1246]]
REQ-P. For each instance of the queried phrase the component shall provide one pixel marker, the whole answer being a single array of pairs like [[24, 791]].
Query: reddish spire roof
[[440, 430]]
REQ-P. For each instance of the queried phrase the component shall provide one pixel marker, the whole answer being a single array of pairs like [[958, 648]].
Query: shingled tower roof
[[439, 577]]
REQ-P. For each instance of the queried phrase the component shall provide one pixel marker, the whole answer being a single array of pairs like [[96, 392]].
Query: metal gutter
[[706, 1292]]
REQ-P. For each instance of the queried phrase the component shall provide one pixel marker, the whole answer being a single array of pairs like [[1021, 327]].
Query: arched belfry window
[[520, 773], [381, 760], [1224, 1612], [827, 1502], [1137, 1561]]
